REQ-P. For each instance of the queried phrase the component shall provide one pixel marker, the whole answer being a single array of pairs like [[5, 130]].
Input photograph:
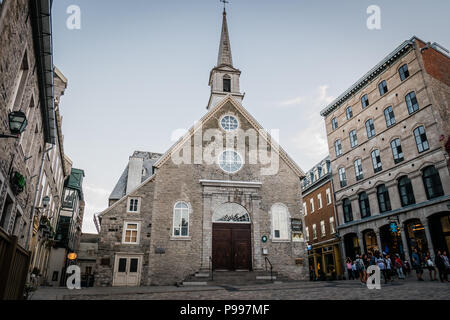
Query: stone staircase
[[226, 278]]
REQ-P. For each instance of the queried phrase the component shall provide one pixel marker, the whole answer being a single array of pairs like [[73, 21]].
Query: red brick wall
[[436, 63]]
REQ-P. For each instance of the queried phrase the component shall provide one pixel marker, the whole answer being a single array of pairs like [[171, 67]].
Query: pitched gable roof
[[264, 134]]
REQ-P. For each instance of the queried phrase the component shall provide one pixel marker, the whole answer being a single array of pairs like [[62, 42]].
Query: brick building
[[320, 222], [196, 210], [386, 137]]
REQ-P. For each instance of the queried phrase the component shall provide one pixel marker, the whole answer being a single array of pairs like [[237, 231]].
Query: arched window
[[338, 147], [389, 116], [370, 128], [397, 151], [226, 83], [358, 170], [181, 219], [353, 139], [231, 212], [421, 139], [382, 87], [376, 161], [432, 182], [349, 112], [411, 102], [342, 177], [364, 205], [384, 202], [348, 213], [280, 222], [365, 101], [403, 72], [406, 191]]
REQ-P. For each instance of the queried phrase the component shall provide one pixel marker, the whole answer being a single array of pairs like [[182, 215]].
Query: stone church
[[226, 196]]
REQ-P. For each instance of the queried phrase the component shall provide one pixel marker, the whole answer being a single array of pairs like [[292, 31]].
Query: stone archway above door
[[230, 213]]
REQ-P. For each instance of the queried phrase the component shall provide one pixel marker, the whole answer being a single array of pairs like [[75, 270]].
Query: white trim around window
[[134, 205], [131, 232], [180, 221], [280, 217]]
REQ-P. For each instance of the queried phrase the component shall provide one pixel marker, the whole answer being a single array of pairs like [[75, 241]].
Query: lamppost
[[17, 124]]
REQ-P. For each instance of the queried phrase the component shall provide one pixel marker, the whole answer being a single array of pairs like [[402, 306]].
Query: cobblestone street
[[337, 290]]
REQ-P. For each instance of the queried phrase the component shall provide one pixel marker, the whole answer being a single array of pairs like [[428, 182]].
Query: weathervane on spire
[[224, 3]]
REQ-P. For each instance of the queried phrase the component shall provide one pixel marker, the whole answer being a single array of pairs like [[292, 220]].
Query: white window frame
[[138, 210], [307, 233], [311, 204], [305, 209], [328, 194], [323, 230], [189, 212], [319, 199], [278, 224], [314, 231], [332, 229], [138, 230]]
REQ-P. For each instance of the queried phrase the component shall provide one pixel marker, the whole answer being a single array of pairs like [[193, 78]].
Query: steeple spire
[[225, 57], [224, 78]]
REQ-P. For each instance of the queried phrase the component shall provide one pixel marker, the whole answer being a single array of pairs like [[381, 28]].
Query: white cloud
[[292, 102], [96, 200], [311, 140]]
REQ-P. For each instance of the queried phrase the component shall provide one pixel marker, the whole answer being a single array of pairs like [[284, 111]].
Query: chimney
[[135, 166]]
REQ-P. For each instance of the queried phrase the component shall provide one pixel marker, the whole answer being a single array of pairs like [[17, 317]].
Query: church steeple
[[224, 78], [225, 57]]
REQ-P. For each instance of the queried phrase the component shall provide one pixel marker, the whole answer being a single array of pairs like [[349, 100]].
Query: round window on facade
[[230, 161], [229, 123]]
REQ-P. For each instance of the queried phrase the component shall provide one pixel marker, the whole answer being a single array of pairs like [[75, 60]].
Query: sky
[[138, 70]]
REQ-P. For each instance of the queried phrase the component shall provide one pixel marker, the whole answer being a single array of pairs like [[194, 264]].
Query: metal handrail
[[211, 268], [271, 267]]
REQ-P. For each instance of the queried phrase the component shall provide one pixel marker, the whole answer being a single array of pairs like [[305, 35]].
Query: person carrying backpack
[[360, 268]]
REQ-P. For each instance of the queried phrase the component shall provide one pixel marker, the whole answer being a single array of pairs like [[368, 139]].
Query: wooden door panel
[[242, 248], [222, 251]]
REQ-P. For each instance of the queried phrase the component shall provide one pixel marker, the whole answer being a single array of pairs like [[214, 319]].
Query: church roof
[[264, 134], [150, 159]]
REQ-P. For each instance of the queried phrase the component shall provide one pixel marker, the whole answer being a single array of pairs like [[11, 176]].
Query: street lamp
[[17, 124]]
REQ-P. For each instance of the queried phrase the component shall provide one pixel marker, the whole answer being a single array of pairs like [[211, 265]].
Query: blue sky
[[138, 70]]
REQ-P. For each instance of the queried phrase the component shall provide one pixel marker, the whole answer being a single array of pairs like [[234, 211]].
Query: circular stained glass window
[[229, 123], [230, 161]]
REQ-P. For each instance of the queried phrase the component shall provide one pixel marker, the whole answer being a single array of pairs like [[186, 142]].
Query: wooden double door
[[231, 246]]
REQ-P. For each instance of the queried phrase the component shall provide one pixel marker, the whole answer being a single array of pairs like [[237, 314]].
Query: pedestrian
[[407, 268], [399, 267], [447, 265], [382, 265], [354, 271], [366, 261], [388, 261], [349, 269], [417, 264], [430, 266], [439, 261], [360, 268]]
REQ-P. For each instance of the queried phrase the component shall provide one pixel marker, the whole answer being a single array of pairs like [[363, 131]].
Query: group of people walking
[[392, 265]]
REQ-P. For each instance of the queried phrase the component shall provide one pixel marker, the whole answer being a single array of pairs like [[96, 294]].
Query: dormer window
[[133, 205], [226, 83]]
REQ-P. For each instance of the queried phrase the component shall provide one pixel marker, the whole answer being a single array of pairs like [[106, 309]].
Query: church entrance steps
[[221, 278]]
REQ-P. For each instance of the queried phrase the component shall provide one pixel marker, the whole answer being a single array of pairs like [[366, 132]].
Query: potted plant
[[18, 183]]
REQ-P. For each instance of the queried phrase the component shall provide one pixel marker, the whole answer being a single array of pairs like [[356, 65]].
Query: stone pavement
[[409, 289]]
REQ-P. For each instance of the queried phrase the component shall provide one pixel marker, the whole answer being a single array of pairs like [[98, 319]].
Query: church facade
[[226, 196]]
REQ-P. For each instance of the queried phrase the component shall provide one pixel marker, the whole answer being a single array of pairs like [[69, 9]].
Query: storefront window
[[415, 233]]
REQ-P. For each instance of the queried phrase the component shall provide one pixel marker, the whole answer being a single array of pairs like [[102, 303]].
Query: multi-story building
[[68, 230], [26, 91], [49, 195], [386, 137], [320, 223]]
